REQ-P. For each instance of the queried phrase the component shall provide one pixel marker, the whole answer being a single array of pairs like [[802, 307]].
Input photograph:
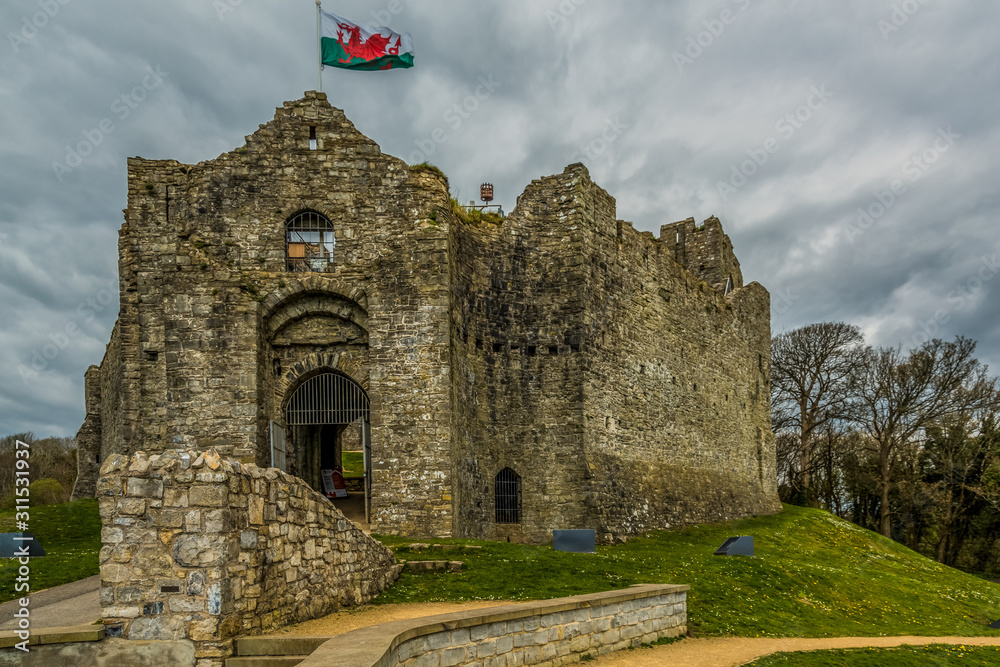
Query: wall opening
[[507, 492], [309, 243], [326, 415]]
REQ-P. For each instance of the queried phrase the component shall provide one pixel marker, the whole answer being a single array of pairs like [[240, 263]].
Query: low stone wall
[[204, 548], [548, 633]]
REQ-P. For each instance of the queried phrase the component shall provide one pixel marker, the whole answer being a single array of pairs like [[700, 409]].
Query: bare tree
[[811, 369], [895, 397]]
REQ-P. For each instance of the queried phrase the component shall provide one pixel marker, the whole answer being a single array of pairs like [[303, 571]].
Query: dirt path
[[714, 652], [733, 651]]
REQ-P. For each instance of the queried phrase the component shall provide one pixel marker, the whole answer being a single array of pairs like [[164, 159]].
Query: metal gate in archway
[[335, 400]]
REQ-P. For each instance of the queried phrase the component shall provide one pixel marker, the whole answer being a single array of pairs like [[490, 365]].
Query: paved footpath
[[734, 651], [70, 604]]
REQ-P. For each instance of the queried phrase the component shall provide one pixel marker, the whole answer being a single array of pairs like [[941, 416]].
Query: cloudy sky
[[846, 146]]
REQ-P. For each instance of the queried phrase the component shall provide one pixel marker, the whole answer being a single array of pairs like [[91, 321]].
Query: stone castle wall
[[518, 367], [627, 392], [215, 331], [705, 250], [202, 548], [102, 432], [610, 370], [676, 397]]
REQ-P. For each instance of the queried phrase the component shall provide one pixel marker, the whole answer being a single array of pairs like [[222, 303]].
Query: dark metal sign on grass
[[574, 541], [20, 545], [736, 546]]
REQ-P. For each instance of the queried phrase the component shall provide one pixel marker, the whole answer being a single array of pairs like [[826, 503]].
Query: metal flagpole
[[319, 46]]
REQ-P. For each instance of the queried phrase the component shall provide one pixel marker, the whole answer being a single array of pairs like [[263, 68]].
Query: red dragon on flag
[[347, 45]]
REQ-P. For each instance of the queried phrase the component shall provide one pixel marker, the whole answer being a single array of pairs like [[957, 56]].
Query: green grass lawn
[[813, 575], [71, 536], [905, 656], [353, 463]]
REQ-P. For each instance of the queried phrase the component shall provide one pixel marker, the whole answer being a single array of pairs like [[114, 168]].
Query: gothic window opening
[[507, 489], [309, 243], [729, 286]]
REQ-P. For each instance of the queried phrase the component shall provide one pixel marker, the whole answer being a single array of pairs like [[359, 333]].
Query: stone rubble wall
[[205, 548], [518, 366], [214, 331], [548, 633], [627, 392], [705, 250], [677, 405]]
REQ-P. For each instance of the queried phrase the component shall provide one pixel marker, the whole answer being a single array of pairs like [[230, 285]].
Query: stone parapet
[[200, 547], [547, 633]]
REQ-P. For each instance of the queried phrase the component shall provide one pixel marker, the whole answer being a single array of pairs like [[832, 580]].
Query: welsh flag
[[347, 45]]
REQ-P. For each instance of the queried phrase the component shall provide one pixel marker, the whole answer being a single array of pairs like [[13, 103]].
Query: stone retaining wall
[[548, 633], [205, 548]]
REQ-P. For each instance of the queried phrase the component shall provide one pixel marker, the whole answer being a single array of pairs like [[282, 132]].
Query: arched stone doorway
[[323, 413]]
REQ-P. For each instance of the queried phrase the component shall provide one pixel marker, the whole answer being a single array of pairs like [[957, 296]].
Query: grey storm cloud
[[812, 130]]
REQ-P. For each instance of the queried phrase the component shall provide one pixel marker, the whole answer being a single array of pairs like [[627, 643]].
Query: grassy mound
[[70, 533], [813, 575]]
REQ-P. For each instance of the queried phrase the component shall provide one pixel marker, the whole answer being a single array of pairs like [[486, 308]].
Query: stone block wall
[[547, 633], [628, 392], [517, 355], [88, 438], [677, 400], [214, 330], [705, 250], [609, 369], [203, 548]]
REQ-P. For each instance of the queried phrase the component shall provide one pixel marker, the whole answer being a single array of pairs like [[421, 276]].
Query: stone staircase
[[273, 651]]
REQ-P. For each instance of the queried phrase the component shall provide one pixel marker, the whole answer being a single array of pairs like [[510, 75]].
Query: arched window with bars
[[507, 492], [309, 243]]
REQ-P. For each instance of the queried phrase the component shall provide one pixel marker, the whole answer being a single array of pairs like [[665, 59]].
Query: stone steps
[[273, 651]]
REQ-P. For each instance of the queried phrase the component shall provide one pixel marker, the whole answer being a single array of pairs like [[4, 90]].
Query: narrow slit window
[[507, 489], [312, 138]]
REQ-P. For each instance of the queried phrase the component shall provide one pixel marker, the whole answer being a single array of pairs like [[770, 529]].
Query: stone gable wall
[[200, 547], [203, 270]]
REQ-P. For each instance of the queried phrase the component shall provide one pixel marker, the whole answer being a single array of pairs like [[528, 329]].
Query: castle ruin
[[553, 369]]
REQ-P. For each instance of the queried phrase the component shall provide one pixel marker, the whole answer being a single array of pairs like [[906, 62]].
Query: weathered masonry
[[558, 369]]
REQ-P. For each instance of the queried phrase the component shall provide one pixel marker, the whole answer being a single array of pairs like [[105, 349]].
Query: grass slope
[[905, 656], [353, 464], [813, 575], [70, 533]]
